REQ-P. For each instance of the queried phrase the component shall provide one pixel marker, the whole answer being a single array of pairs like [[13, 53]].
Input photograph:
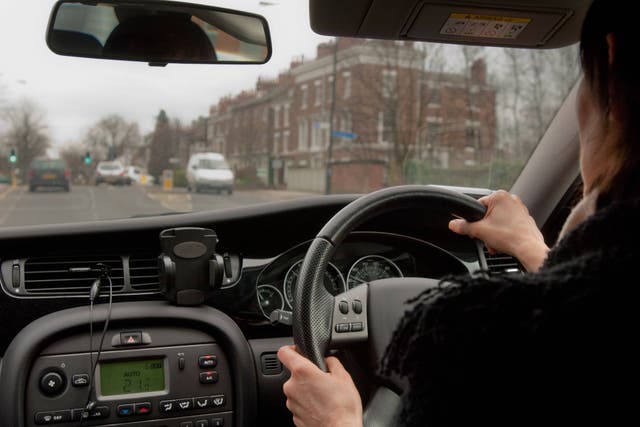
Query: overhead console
[[159, 365]]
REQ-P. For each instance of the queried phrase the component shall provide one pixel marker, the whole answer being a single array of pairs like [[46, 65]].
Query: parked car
[[47, 172], [139, 175], [112, 172], [209, 171]]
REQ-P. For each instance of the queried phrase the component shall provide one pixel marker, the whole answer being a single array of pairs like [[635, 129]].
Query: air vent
[[270, 364], [143, 273], [69, 275], [502, 264]]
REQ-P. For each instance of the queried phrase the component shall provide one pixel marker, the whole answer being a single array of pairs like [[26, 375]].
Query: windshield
[[212, 164], [323, 116], [110, 166]]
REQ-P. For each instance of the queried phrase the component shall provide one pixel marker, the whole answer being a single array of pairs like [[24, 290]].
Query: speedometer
[[333, 281], [371, 267]]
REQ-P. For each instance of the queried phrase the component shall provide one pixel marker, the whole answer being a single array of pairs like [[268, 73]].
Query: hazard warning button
[[130, 338]]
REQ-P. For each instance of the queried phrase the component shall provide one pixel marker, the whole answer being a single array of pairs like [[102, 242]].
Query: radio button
[[202, 423], [143, 408], [125, 410], [203, 402], [209, 377], [186, 424], [217, 422], [218, 401], [53, 417], [184, 404], [168, 406], [208, 361]]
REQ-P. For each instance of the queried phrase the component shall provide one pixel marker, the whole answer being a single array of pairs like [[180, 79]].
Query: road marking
[[9, 190]]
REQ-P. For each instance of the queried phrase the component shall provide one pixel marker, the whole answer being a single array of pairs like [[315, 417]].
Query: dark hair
[[616, 88]]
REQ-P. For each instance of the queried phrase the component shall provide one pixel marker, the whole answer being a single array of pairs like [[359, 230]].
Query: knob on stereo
[[52, 383]]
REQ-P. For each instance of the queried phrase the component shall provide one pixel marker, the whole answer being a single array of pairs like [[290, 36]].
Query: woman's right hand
[[506, 228]]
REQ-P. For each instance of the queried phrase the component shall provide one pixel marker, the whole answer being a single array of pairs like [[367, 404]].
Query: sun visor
[[474, 25]]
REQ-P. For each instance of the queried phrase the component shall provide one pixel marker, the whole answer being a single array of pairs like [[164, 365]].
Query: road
[[85, 203]]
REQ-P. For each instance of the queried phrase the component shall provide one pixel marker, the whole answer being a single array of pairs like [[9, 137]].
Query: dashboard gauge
[[333, 281], [270, 298], [369, 268]]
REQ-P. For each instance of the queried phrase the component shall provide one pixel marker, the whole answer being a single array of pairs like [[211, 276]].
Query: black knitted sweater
[[556, 347]]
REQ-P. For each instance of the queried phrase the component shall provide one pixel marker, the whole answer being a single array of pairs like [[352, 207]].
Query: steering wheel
[[369, 312]]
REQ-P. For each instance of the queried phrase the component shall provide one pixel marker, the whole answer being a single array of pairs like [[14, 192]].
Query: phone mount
[[189, 269]]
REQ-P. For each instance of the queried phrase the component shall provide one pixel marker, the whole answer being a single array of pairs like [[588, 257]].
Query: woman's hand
[[317, 398], [508, 228]]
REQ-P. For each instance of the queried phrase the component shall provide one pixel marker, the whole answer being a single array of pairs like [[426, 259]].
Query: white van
[[209, 171]]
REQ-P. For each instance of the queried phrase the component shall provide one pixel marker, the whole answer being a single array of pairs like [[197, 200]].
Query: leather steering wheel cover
[[400, 197], [313, 305]]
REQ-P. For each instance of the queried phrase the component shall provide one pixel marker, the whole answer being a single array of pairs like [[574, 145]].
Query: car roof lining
[[547, 23]]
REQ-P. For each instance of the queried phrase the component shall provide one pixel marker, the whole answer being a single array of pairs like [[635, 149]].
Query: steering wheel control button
[[342, 327], [131, 338], [343, 306], [51, 384], [168, 406], [357, 306], [218, 401], [357, 327], [184, 404], [54, 417], [208, 361], [143, 408], [125, 410], [80, 380], [209, 377]]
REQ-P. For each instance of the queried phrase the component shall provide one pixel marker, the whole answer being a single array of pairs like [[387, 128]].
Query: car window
[[48, 164], [321, 117], [212, 164]]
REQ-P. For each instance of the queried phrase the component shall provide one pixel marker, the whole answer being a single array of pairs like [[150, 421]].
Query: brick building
[[383, 109]]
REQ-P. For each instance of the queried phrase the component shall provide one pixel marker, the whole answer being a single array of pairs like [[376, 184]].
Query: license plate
[[49, 175]]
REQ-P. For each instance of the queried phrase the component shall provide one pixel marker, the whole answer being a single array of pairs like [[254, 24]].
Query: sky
[[74, 93]]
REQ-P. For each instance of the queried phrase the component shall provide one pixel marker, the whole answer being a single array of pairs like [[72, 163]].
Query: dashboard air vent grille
[[143, 273], [502, 264], [69, 275], [270, 364]]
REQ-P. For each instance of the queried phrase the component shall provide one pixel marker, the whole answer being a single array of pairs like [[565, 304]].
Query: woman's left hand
[[317, 398]]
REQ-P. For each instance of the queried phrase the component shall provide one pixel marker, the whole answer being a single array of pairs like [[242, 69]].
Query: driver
[[553, 345]]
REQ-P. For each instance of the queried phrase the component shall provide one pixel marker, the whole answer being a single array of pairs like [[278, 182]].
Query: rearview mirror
[[158, 32]]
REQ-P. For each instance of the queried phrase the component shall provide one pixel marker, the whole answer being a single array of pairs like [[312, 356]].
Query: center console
[[178, 375], [160, 365]]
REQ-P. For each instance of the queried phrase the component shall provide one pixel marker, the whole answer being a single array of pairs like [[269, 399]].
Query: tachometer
[[333, 281], [270, 298], [371, 267]]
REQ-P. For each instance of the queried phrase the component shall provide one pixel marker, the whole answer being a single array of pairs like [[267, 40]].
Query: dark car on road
[[49, 173]]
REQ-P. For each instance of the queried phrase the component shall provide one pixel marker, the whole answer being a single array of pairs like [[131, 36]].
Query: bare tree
[[113, 135], [73, 156], [27, 133]]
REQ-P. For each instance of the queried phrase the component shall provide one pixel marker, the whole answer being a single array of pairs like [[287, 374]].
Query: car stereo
[[143, 377]]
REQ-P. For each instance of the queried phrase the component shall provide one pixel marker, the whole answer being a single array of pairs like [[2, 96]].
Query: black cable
[[94, 293]]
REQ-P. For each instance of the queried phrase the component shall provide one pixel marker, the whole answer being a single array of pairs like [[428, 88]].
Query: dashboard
[[362, 258], [153, 358]]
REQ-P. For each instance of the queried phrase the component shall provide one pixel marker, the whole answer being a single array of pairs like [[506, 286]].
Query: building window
[[285, 116], [385, 127], [303, 135], [319, 94], [303, 97], [433, 134], [276, 143], [285, 141], [347, 84], [388, 83], [276, 117]]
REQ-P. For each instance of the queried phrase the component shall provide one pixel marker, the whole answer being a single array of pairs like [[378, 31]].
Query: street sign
[[167, 180], [347, 135]]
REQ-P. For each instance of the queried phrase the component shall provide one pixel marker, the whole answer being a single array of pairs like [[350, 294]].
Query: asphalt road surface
[[87, 203]]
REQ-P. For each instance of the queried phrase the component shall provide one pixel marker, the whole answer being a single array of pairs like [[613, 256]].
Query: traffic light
[[87, 158], [13, 157]]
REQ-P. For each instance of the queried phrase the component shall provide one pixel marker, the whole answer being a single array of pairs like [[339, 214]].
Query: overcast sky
[[74, 93]]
